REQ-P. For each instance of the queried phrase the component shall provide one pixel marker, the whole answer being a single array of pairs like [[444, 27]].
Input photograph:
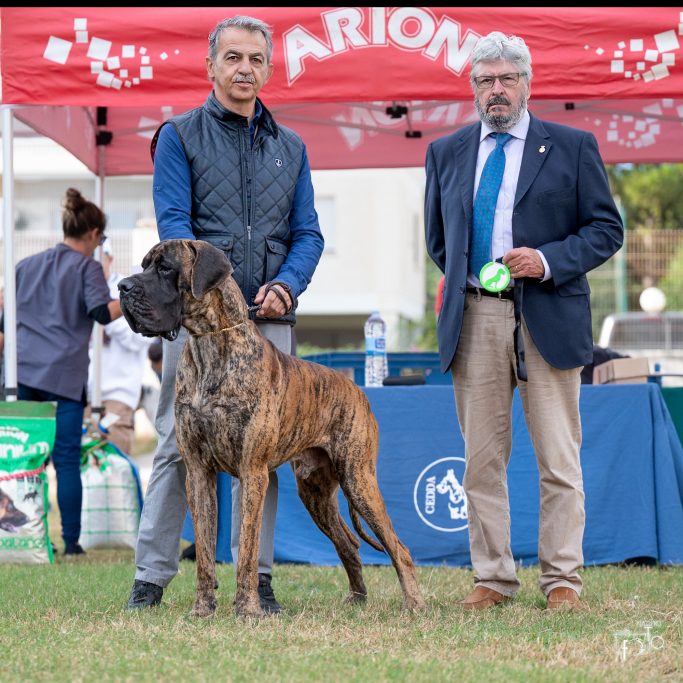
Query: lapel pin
[[541, 149]]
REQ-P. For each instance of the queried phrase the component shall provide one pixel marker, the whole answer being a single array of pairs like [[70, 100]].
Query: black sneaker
[[266, 596], [144, 594], [72, 548], [190, 553]]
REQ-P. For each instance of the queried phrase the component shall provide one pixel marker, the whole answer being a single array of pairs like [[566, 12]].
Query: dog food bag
[[27, 434], [112, 497]]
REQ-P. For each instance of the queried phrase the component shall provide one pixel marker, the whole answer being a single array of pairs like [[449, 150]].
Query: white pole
[[98, 330], [10, 310]]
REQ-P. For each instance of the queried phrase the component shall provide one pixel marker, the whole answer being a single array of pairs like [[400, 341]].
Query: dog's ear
[[149, 257], [210, 266]]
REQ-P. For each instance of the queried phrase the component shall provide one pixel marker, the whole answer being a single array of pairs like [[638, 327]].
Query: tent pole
[[98, 331], [10, 306]]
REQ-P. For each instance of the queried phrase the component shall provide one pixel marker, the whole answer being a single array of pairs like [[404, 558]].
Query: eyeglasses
[[506, 80]]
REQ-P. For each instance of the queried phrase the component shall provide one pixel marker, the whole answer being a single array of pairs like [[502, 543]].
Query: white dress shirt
[[501, 240]]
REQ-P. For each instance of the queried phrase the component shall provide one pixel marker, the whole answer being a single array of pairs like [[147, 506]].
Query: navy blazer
[[563, 206]]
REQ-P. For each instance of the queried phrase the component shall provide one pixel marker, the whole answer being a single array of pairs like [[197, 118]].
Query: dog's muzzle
[[141, 316]]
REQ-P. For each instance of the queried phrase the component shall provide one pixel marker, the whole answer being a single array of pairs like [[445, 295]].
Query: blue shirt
[[172, 192]]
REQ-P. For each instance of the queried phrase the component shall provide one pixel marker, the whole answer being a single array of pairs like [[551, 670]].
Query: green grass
[[66, 622]]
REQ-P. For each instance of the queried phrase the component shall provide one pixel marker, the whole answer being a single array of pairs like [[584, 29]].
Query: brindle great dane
[[245, 408]]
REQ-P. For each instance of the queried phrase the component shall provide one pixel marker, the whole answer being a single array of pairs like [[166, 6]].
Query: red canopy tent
[[613, 71], [364, 86]]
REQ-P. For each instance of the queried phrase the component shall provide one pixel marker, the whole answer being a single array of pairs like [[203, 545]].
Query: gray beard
[[499, 123]]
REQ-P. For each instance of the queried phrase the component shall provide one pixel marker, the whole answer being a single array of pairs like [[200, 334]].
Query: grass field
[[66, 622]]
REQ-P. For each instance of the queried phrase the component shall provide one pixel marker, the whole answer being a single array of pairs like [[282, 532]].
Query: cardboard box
[[622, 371]]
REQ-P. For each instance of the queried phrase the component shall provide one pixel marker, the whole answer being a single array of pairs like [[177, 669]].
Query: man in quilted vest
[[228, 174]]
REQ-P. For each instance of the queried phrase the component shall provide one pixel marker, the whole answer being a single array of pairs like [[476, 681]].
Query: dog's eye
[[164, 269]]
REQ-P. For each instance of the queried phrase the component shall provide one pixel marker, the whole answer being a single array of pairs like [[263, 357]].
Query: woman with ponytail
[[60, 293]]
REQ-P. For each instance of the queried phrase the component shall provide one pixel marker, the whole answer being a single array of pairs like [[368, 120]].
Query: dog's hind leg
[[360, 487], [201, 493], [318, 488]]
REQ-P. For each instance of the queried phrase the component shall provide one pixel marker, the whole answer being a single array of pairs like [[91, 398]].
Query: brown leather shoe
[[483, 598], [564, 598]]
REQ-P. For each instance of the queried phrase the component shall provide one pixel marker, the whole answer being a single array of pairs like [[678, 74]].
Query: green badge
[[494, 276]]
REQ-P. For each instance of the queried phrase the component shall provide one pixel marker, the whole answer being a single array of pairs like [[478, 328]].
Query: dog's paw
[[257, 613], [356, 599], [414, 603], [203, 608], [249, 609]]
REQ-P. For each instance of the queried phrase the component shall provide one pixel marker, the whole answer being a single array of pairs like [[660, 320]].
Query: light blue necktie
[[485, 204]]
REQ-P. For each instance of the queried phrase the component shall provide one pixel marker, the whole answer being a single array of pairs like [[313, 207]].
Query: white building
[[371, 220]]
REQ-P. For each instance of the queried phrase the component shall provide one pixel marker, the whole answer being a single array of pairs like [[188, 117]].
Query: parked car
[[655, 336]]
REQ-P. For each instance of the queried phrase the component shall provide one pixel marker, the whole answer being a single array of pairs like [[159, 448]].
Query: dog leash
[[520, 354], [270, 287], [251, 309]]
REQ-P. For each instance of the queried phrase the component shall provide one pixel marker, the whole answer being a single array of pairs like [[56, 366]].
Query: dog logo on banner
[[439, 496]]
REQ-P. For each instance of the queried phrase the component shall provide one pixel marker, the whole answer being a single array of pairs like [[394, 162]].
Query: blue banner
[[632, 464]]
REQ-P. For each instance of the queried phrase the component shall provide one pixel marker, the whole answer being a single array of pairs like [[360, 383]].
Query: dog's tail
[[355, 518]]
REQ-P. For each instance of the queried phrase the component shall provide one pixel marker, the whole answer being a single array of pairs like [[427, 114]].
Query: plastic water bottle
[[376, 364], [656, 378]]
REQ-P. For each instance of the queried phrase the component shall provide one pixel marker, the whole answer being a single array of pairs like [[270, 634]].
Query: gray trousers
[[165, 507]]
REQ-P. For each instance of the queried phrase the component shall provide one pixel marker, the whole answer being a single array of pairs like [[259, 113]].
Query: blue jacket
[[563, 206]]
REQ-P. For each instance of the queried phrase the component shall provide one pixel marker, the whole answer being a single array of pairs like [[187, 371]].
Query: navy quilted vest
[[241, 195]]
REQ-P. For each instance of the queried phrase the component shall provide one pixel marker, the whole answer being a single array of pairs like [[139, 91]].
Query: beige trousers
[[122, 432], [484, 379]]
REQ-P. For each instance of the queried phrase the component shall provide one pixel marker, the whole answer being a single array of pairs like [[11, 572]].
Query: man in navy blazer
[[553, 220]]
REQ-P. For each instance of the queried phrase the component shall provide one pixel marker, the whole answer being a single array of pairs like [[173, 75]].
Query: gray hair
[[247, 23], [496, 46]]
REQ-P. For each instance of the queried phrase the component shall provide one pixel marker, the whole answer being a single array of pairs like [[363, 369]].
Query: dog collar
[[225, 329]]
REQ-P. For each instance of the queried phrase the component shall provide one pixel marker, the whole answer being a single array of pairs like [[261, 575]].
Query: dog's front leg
[[201, 493], [253, 495]]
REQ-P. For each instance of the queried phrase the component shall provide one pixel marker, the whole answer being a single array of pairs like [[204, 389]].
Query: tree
[[651, 194]]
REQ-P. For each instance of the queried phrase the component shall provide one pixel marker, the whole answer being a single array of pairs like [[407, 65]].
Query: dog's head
[[175, 272], [10, 517]]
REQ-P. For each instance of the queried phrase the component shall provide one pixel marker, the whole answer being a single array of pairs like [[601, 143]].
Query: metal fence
[[33, 241], [649, 258]]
